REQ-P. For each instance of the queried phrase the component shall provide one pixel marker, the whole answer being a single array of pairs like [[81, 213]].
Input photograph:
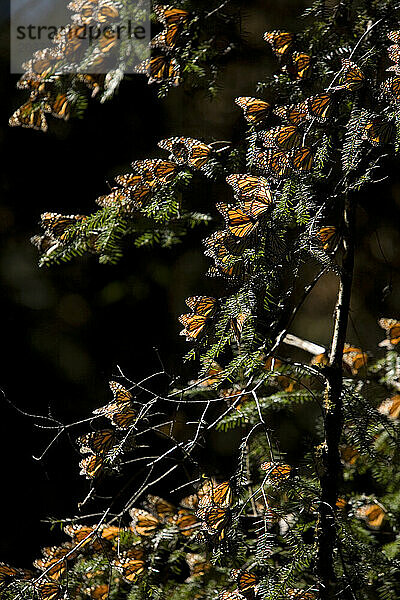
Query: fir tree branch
[[331, 472]]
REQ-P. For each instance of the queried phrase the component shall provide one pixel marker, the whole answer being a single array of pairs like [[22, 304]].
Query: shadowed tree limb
[[331, 465]]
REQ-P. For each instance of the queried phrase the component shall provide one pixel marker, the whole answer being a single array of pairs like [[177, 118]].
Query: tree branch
[[331, 465]]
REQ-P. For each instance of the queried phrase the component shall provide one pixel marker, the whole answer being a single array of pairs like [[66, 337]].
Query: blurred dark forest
[[65, 329]]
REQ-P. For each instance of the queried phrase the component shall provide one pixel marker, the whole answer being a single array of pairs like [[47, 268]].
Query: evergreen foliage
[[291, 186]]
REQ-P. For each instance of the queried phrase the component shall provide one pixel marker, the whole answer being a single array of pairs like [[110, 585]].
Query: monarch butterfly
[[341, 503], [284, 138], [123, 418], [372, 514], [353, 78], [190, 502], [213, 493], [57, 225], [110, 532], [302, 159], [254, 110], [295, 113], [105, 44], [91, 466], [160, 507], [326, 236], [129, 180], [354, 358], [202, 305], [215, 520], [143, 522], [203, 308], [45, 243], [49, 590], [225, 241], [300, 66], [136, 196], [154, 171], [53, 551], [198, 565], [98, 442], [321, 360], [280, 41], [392, 87], [187, 151], [278, 163], [186, 522], [275, 471], [349, 454], [392, 328], [160, 69], [394, 36], [394, 56], [85, 535], [229, 268], [212, 375], [98, 592], [378, 131], [42, 64], [58, 106], [236, 324], [227, 264], [29, 115], [93, 81], [100, 12], [390, 407], [33, 82], [120, 393], [245, 580], [239, 223], [7, 573], [54, 566], [124, 198], [250, 186], [319, 106], [169, 15], [195, 323], [80, 533], [70, 42], [131, 563], [121, 400], [206, 489], [167, 38]]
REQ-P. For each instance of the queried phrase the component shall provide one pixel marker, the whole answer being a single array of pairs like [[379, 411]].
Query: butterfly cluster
[[120, 554], [197, 322], [158, 514], [354, 359], [163, 67], [214, 510], [298, 64], [135, 190], [246, 586], [58, 231], [50, 580], [103, 446], [391, 87], [149, 183], [59, 77]]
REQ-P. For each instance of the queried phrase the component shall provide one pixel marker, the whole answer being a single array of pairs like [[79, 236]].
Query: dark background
[[64, 330]]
